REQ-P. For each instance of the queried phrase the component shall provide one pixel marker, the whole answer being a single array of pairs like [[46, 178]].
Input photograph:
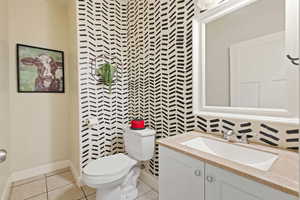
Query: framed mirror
[[241, 67]]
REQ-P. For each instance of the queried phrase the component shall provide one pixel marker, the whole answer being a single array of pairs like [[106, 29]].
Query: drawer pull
[[197, 172], [210, 179]]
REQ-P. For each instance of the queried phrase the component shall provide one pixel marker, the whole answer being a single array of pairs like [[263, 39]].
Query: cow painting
[[40, 72]]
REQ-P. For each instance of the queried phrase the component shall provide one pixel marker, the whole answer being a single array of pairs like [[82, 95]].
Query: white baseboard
[[43, 169], [75, 174], [149, 180], [6, 190]]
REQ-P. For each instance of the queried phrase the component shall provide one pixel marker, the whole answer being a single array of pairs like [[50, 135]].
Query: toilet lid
[[109, 165]]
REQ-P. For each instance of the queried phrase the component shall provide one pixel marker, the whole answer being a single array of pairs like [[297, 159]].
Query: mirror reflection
[[245, 57]]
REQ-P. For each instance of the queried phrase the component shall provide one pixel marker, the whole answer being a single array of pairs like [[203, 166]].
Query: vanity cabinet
[[183, 177]]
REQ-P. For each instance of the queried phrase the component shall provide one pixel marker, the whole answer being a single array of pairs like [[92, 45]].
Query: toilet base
[[108, 194], [129, 187], [127, 190]]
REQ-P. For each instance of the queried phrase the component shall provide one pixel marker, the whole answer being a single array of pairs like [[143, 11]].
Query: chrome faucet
[[244, 137], [232, 136], [229, 135]]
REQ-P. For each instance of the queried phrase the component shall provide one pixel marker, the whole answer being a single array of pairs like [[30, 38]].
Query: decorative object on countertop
[[138, 124], [40, 70]]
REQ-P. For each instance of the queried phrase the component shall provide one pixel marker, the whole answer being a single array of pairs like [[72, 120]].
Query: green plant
[[107, 72]]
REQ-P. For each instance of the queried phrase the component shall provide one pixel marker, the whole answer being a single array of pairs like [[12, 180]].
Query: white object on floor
[[254, 158], [129, 186], [115, 177]]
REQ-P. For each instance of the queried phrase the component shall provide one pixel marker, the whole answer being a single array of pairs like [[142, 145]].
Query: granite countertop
[[283, 175]]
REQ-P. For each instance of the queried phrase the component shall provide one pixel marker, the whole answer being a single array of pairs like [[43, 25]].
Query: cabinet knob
[[210, 179], [197, 172], [3, 155]]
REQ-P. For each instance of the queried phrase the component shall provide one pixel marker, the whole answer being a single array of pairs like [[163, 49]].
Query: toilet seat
[[108, 169]]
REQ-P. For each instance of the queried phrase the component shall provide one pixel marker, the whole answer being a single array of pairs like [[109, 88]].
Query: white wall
[[258, 19], [39, 122], [4, 94], [74, 84]]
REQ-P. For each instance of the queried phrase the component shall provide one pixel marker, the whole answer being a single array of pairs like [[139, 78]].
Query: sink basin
[[254, 158]]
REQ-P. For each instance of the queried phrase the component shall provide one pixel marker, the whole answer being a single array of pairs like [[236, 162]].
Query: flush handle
[[197, 172], [3, 155]]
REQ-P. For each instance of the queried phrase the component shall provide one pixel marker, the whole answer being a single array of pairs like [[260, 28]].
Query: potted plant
[[107, 72]]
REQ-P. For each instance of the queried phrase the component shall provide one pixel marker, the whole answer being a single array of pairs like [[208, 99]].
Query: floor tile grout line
[[11, 191], [13, 186], [36, 195], [58, 173], [42, 176], [46, 186], [85, 195], [90, 195], [61, 187]]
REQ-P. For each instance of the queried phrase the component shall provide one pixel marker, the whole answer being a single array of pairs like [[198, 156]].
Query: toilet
[[115, 177]]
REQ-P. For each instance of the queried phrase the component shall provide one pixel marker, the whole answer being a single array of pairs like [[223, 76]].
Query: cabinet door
[[223, 185], [180, 177]]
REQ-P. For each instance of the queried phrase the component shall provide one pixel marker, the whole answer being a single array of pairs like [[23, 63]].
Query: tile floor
[[60, 185]]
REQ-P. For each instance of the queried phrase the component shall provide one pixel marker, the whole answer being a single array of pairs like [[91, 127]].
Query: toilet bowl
[[115, 177], [107, 174]]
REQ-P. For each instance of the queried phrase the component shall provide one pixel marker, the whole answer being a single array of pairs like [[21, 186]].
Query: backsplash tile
[[268, 133]]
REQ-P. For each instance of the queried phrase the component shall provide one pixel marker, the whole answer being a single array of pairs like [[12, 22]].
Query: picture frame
[[40, 70]]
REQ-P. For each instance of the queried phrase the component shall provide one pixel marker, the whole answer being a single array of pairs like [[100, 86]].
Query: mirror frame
[[200, 20]]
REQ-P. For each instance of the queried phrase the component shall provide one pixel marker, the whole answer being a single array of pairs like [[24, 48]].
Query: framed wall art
[[40, 70]]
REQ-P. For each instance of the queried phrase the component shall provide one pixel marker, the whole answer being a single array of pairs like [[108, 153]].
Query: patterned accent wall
[[152, 41], [102, 30], [160, 66]]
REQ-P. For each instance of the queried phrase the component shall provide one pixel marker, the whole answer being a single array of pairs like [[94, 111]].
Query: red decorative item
[[137, 124]]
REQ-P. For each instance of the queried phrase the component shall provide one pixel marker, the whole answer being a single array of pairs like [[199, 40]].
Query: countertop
[[283, 175]]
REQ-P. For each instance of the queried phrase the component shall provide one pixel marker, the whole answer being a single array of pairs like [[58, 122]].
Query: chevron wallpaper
[[152, 43], [102, 30], [160, 66]]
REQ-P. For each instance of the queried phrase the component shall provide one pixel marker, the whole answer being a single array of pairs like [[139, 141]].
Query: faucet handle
[[227, 134], [245, 137]]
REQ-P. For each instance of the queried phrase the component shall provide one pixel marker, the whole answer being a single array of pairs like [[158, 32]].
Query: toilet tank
[[140, 144]]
